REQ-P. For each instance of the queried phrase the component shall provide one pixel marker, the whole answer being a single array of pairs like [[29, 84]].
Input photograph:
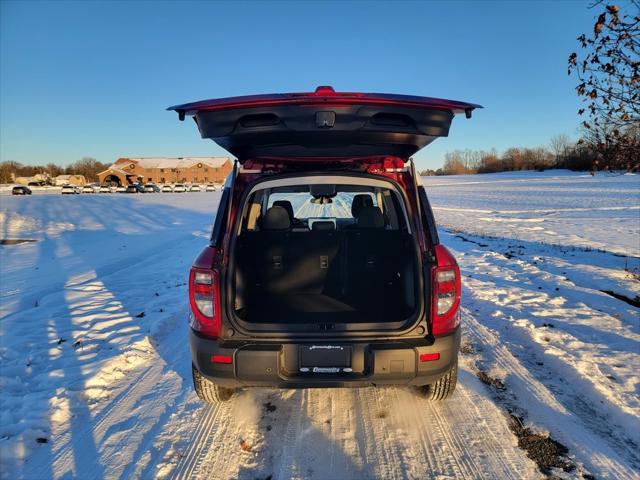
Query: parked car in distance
[[319, 295], [38, 183], [89, 189], [135, 188], [179, 188], [105, 189], [210, 187], [121, 189], [71, 190], [167, 188], [151, 188], [195, 188], [20, 190]]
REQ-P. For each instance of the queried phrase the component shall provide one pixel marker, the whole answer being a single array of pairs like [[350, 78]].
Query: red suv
[[324, 267]]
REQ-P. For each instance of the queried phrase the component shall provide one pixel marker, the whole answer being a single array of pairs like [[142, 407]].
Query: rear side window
[[221, 217], [428, 219]]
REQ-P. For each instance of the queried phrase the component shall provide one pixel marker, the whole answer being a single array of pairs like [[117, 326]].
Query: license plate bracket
[[313, 357]]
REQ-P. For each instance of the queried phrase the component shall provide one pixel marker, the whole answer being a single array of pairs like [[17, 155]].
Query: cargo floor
[[320, 308]]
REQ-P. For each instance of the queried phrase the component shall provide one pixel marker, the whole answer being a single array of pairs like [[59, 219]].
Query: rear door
[[324, 125]]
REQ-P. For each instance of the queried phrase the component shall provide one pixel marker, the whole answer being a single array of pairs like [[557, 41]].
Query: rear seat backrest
[[315, 261], [266, 251], [277, 260], [372, 256]]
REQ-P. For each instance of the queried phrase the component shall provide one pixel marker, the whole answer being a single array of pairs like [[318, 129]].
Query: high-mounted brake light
[[204, 297], [446, 293], [324, 90]]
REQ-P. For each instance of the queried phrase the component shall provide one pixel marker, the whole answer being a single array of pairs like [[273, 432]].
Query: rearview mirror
[[322, 190]]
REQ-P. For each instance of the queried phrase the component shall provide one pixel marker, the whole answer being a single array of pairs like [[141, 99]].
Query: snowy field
[[95, 377], [557, 206]]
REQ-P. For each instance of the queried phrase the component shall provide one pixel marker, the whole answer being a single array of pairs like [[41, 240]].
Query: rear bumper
[[277, 365]]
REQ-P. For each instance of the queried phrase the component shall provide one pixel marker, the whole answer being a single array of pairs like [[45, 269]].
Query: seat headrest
[[323, 226], [286, 204], [359, 202], [276, 218], [370, 217]]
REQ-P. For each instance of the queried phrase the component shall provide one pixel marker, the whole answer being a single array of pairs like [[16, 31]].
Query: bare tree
[[87, 166], [454, 163], [560, 145], [608, 71]]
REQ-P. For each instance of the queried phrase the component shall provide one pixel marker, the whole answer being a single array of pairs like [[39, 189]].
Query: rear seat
[[262, 253], [356, 265], [278, 260], [315, 259], [372, 257]]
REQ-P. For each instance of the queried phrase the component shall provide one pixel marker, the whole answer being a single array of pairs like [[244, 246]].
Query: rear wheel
[[208, 391], [442, 388]]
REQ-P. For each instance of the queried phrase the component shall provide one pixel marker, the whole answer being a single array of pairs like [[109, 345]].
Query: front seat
[[359, 202], [371, 218], [286, 204], [276, 220]]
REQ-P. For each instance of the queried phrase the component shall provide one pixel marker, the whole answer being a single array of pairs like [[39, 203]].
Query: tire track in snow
[[448, 433], [561, 376], [543, 406], [366, 433], [201, 441], [372, 449]]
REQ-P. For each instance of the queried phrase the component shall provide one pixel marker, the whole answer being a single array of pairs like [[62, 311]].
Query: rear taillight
[[204, 296], [446, 293]]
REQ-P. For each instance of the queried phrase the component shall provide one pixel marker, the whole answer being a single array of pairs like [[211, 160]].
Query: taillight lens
[[446, 293], [204, 296]]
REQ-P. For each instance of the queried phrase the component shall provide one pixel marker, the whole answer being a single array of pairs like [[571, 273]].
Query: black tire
[[442, 388], [208, 391]]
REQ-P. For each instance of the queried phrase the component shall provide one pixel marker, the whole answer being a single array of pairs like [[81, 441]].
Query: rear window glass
[[340, 204], [305, 206]]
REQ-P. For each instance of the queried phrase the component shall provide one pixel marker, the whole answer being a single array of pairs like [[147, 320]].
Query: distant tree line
[[87, 166], [587, 154]]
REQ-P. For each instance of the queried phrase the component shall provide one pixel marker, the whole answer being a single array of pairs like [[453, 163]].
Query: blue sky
[[93, 79]]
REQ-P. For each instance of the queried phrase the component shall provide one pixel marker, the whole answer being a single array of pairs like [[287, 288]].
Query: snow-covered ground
[[559, 207], [95, 370]]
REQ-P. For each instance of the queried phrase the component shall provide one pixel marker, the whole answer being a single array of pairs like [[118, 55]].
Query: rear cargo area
[[310, 252], [324, 276]]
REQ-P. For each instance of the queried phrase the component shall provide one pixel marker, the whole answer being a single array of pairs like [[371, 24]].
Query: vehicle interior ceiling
[[324, 254]]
